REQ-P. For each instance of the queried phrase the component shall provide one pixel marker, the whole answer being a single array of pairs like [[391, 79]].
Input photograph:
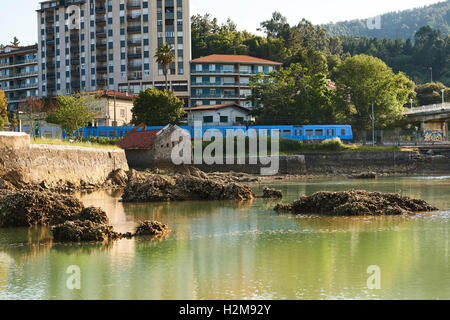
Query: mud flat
[[356, 203]]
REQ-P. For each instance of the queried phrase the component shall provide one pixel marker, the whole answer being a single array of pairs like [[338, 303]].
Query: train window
[[300, 133], [103, 134], [286, 133], [319, 132], [309, 133], [342, 132]]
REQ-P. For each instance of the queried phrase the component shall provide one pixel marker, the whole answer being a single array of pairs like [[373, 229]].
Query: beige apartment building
[[18, 74], [90, 45]]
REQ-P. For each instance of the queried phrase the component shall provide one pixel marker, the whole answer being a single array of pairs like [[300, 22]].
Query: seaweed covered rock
[[159, 188], [269, 193], [152, 228], [118, 177], [84, 231], [93, 214], [365, 175], [356, 203], [28, 208]]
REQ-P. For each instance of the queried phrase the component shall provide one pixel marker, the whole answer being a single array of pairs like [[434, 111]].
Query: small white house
[[225, 115]]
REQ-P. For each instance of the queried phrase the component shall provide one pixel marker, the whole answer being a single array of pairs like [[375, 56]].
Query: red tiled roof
[[217, 107], [111, 94], [234, 59], [139, 140]]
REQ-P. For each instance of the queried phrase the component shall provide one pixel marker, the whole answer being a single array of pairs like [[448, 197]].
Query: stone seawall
[[54, 164], [389, 162]]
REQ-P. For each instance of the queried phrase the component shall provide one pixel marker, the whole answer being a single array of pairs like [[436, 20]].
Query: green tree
[[35, 110], [165, 57], [73, 112], [13, 120], [3, 109], [154, 107], [431, 93], [292, 96], [15, 42], [362, 81]]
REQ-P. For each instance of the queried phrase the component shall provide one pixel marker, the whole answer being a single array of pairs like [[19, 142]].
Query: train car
[[308, 133], [311, 133]]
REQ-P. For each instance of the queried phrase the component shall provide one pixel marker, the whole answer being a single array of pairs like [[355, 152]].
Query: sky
[[18, 17]]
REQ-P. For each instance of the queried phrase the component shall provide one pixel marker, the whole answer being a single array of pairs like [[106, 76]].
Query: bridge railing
[[429, 108]]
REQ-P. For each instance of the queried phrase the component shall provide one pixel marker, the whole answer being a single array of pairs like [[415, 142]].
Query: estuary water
[[229, 250]]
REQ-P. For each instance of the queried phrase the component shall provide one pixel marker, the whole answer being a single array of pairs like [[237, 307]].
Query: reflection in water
[[228, 250]]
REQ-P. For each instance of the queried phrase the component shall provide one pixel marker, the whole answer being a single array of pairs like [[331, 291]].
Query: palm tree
[[165, 57]]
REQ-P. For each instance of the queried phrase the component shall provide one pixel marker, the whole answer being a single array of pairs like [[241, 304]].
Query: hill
[[401, 24]]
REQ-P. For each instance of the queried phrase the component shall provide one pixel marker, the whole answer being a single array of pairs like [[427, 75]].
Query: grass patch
[[73, 144], [291, 147]]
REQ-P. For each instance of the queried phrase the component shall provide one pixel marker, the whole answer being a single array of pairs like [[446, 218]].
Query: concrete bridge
[[433, 118]]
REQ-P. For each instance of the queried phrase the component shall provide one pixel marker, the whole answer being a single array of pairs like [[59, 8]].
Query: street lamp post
[[411, 101], [431, 70], [443, 96]]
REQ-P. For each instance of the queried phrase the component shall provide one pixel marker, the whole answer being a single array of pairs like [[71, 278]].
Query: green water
[[226, 250]]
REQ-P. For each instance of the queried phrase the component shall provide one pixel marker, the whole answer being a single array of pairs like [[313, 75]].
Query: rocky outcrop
[[269, 193], [152, 229], [118, 177], [29, 208], [163, 188], [356, 203], [84, 231], [365, 175], [69, 220]]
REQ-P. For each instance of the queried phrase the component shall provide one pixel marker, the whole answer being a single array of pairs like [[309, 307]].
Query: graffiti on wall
[[434, 135]]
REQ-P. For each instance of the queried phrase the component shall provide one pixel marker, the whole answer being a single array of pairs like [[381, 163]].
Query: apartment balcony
[[102, 82], [100, 21], [215, 96], [214, 84], [51, 76], [134, 42], [18, 63], [51, 54], [75, 74], [135, 67], [75, 61], [102, 69], [50, 19], [19, 75], [170, 15], [74, 37], [101, 45], [21, 87], [133, 77], [135, 55], [213, 72], [133, 5], [50, 42], [100, 10], [102, 58], [74, 49], [134, 18], [100, 33], [75, 85], [50, 30], [134, 29], [51, 65]]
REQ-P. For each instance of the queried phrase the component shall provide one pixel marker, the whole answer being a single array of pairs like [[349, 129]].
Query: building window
[[207, 119], [223, 119]]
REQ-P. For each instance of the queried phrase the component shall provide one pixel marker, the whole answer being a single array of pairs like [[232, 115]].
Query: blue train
[[301, 133]]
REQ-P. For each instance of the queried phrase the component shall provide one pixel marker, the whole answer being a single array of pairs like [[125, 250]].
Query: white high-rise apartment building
[[89, 45]]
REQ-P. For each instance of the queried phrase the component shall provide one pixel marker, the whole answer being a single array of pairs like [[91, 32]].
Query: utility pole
[[115, 119], [373, 125], [431, 70], [443, 97]]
